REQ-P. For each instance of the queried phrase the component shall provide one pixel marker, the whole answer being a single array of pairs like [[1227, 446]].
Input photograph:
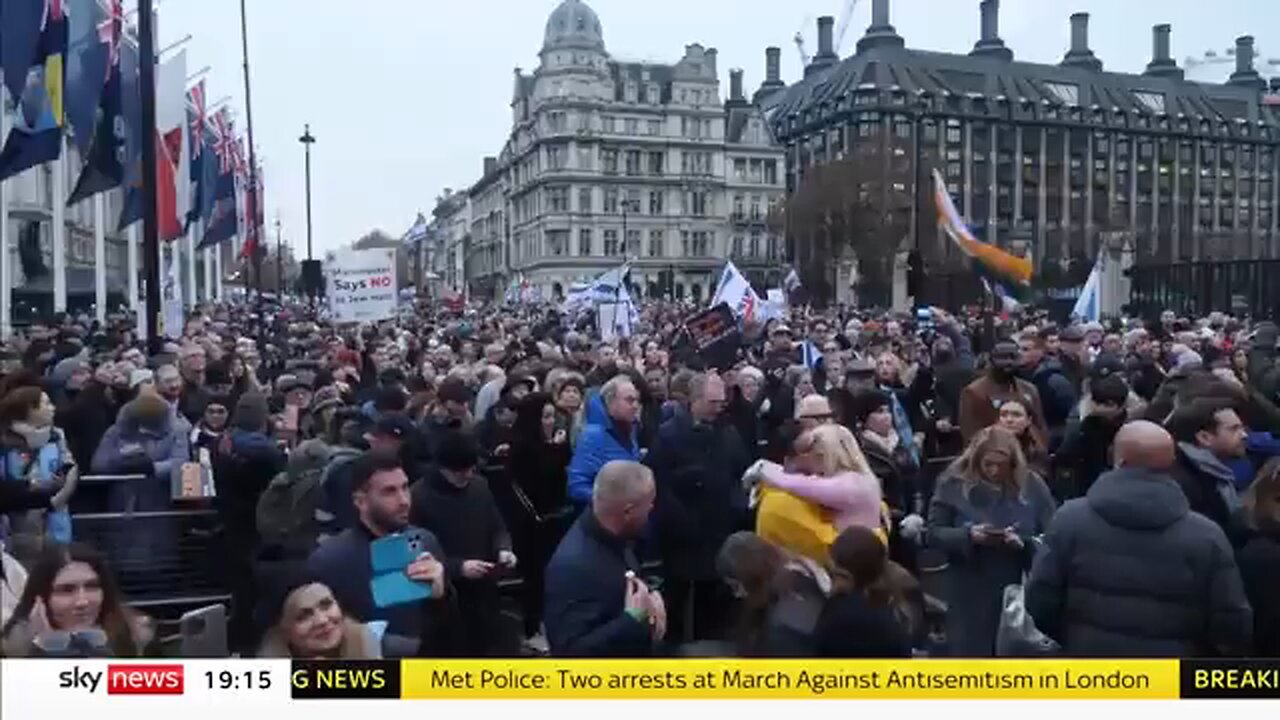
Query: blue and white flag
[[1089, 305], [791, 282], [1008, 303], [608, 288], [417, 233]]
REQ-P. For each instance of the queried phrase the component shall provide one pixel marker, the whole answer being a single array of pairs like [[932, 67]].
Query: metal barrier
[[163, 560]]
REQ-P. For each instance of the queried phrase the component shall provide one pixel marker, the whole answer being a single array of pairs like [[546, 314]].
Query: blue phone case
[[390, 586]]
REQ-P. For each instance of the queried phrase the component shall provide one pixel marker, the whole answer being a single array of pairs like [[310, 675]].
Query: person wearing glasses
[[72, 607]]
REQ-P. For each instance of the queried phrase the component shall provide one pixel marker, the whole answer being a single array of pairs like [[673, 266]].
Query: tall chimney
[[826, 35], [989, 42], [826, 55], [879, 13], [772, 74], [1080, 55], [1246, 73], [735, 85], [773, 65], [881, 32], [1162, 63]]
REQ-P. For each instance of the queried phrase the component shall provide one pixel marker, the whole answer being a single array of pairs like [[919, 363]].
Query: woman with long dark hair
[[540, 454], [71, 606], [779, 596], [865, 617]]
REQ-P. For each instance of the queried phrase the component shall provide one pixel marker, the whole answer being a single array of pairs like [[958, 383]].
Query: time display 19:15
[[247, 680]]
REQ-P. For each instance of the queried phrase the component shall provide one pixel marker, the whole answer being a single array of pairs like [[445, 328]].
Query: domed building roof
[[573, 25]]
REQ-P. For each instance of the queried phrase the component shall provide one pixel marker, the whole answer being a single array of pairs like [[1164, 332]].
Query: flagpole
[[6, 273], [207, 256], [250, 222], [190, 251], [216, 251], [150, 223], [131, 246], [59, 229], [100, 258]]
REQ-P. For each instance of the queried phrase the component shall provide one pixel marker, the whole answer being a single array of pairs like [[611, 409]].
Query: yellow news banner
[[778, 679]]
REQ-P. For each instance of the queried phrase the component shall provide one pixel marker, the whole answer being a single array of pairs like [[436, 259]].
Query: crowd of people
[[500, 482]]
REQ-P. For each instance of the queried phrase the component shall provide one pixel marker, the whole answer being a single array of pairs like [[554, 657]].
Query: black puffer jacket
[[1129, 570]]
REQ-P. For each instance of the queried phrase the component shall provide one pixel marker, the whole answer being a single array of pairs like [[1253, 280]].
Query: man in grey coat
[[1129, 570]]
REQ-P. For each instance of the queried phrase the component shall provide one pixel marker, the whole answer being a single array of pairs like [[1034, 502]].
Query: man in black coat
[[698, 463], [597, 603], [1130, 570], [345, 563], [455, 504]]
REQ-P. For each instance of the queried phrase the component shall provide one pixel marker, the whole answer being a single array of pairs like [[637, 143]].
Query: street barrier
[[164, 560]]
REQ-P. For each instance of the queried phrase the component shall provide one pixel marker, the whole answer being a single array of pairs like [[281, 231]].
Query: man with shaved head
[[1129, 570], [597, 601]]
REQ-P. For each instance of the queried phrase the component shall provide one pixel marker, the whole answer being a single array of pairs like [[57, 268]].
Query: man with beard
[[344, 562], [981, 399], [936, 391]]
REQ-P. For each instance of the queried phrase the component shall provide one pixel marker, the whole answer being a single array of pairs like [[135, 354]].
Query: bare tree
[[860, 201]]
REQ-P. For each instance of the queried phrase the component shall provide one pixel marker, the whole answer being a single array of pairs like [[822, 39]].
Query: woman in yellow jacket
[[830, 489]]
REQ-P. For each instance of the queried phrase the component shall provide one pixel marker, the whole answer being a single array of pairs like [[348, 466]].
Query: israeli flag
[[810, 355], [417, 233], [1089, 305]]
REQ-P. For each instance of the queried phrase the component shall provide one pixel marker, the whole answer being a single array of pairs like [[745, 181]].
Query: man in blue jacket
[[344, 562], [612, 433], [597, 603]]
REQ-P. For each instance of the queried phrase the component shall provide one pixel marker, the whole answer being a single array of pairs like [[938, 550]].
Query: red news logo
[[131, 679], [144, 679]]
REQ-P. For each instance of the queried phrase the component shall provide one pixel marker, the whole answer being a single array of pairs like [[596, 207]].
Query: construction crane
[[842, 27], [1201, 66]]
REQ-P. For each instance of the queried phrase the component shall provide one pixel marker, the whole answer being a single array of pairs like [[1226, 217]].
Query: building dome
[[573, 25]]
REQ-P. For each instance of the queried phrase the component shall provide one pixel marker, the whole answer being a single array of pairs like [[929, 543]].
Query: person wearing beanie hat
[[455, 504], [305, 621]]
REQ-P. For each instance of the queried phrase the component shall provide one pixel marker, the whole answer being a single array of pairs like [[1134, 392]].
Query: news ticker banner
[[706, 679]]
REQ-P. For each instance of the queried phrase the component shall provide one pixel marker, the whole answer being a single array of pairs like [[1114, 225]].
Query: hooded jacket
[[146, 439], [1130, 570]]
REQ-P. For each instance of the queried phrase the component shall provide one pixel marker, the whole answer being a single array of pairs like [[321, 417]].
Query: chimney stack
[[490, 164], [1246, 73], [1162, 63], [881, 32], [735, 85], [1080, 55], [826, 55], [772, 74], [773, 65], [879, 13], [989, 42], [826, 35]]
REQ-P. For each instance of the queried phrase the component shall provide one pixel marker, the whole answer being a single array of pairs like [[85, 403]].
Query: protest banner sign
[[361, 285]]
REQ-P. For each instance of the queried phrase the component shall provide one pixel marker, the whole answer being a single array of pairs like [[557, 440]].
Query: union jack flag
[[242, 167], [52, 13], [224, 141], [196, 96], [109, 32]]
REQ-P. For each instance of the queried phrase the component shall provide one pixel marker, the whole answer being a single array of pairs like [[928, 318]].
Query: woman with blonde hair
[[986, 514], [832, 474]]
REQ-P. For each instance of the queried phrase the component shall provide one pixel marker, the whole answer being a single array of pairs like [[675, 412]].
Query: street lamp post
[[307, 141], [279, 264]]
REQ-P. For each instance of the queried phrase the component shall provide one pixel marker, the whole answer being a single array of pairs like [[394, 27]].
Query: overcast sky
[[406, 96]]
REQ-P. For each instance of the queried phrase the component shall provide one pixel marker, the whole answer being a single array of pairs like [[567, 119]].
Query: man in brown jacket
[[981, 399]]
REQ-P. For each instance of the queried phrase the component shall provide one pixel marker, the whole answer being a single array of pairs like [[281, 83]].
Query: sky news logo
[[126, 679]]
